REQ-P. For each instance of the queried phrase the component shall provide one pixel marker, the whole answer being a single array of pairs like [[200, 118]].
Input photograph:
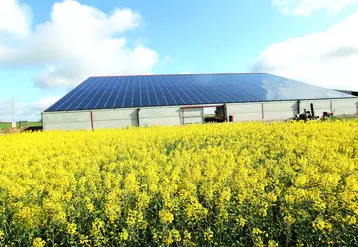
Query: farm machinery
[[310, 115]]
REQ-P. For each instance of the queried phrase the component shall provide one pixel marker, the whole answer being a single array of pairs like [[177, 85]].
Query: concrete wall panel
[[345, 106], [68, 126], [159, 121], [66, 120], [119, 118], [245, 112], [192, 115], [243, 108], [247, 117], [281, 106], [67, 117], [319, 106], [114, 123], [159, 116], [280, 110], [191, 120], [158, 112], [193, 112], [120, 114]]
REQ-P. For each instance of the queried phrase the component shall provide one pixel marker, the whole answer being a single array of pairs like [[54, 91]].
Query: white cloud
[[6, 109], [26, 111], [15, 17], [306, 7], [328, 59], [45, 103], [81, 41]]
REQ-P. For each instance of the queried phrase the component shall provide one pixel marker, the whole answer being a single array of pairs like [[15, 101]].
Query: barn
[[179, 99]]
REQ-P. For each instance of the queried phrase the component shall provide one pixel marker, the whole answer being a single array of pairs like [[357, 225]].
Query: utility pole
[[13, 124]]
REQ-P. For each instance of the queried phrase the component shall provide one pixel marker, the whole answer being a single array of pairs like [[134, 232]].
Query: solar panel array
[[166, 90]]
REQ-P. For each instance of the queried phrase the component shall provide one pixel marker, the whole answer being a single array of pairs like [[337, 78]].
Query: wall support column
[[92, 120], [298, 107], [138, 116]]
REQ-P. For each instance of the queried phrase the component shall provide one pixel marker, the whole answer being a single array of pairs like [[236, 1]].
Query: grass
[[5, 125], [343, 118], [8, 125]]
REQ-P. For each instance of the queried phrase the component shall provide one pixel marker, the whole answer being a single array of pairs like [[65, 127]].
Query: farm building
[[147, 100]]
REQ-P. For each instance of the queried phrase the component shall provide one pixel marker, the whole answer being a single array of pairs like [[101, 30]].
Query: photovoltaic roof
[[191, 89]]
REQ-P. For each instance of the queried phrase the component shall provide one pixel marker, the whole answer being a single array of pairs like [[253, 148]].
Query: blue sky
[[48, 47]]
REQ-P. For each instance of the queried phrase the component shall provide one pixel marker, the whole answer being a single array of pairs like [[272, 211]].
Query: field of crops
[[252, 184]]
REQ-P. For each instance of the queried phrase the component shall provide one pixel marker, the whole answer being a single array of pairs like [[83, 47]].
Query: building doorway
[[203, 114], [215, 114]]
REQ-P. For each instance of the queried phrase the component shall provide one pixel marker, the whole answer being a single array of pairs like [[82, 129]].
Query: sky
[[47, 47]]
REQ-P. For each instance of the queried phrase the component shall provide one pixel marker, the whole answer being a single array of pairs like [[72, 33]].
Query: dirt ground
[[10, 131]]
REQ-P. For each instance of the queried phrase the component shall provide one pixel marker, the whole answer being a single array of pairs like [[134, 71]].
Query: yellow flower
[[272, 243], [90, 207], [199, 179], [2, 234], [352, 220], [124, 235], [242, 221], [208, 234], [71, 228], [166, 216], [319, 224], [38, 242]]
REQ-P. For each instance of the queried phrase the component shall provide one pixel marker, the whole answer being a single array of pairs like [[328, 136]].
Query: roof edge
[[228, 73]]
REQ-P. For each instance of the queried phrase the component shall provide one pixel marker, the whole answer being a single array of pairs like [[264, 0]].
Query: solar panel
[[165, 90]]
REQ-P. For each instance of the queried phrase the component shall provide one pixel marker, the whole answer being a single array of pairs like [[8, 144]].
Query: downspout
[[312, 110], [138, 116], [182, 115], [92, 120], [298, 106], [225, 113], [42, 120]]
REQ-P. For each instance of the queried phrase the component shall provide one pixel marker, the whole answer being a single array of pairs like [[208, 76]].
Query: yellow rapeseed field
[[249, 184]]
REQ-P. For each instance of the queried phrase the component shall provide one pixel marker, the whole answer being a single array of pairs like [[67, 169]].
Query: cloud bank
[[15, 18], [328, 59], [79, 41], [24, 110], [306, 7]]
